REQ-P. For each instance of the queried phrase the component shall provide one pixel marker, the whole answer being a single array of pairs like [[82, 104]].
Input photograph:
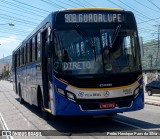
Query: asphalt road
[[25, 117]]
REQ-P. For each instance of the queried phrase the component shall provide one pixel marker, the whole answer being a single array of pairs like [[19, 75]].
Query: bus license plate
[[107, 105]]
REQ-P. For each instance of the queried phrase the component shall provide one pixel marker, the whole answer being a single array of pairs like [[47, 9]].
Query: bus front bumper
[[66, 107]]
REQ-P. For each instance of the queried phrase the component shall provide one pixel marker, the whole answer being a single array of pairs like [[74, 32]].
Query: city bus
[[81, 61]]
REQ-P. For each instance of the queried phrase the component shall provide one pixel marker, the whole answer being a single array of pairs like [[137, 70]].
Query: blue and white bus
[[63, 66]]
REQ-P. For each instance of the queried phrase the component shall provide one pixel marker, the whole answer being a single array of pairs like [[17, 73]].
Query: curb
[[152, 103]]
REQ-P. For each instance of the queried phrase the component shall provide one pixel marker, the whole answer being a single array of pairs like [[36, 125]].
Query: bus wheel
[[21, 100], [44, 114]]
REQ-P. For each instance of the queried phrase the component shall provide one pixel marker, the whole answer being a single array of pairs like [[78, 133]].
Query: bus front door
[[46, 71]]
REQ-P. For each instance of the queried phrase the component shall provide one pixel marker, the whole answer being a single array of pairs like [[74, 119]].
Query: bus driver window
[[109, 61], [65, 57]]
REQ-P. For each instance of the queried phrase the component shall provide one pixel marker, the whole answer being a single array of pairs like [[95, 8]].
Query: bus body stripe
[[98, 9]]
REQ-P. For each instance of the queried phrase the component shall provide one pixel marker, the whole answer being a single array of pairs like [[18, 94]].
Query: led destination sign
[[94, 18]]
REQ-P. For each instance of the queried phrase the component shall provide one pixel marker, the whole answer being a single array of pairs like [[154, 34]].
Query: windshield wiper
[[84, 36], [115, 34], [89, 42]]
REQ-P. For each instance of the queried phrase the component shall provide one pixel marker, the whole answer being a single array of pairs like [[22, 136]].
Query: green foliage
[[5, 73], [151, 56]]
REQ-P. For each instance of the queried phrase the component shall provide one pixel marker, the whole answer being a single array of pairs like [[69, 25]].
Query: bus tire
[[21, 100], [44, 114]]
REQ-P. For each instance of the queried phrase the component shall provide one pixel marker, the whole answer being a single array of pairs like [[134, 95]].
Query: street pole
[[158, 46], [158, 36], [151, 61], [3, 58]]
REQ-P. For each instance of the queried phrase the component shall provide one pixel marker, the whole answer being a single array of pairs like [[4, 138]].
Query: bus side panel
[[25, 84], [23, 80], [17, 80], [14, 80], [34, 86], [29, 83], [29, 78], [36, 81]]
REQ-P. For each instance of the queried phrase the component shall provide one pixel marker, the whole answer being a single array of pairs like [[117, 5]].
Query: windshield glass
[[94, 52]]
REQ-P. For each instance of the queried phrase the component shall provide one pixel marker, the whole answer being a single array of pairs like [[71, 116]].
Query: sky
[[26, 15]]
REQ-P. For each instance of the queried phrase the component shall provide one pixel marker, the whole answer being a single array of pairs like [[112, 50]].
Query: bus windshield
[[86, 51]]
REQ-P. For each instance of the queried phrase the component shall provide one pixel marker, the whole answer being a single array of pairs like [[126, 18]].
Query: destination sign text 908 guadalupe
[[94, 18]]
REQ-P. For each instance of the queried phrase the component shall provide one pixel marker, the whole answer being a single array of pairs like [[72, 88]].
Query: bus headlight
[[61, 91], [136, 91], [71, 96], [66, 94]]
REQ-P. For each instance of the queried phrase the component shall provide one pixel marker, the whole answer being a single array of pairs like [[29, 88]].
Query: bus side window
[[25, 54], [21, 56], [30, 51], [33, 49], [13, 61], [38, 47], [18, 58]]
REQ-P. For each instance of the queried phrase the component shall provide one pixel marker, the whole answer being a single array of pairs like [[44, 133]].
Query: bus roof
[[96, 9], [48, 18]]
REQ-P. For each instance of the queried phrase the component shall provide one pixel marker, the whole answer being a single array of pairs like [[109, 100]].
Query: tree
[[5, 73]]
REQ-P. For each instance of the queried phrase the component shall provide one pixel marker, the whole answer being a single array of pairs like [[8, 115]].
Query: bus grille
[[95, 82], [100, 81], [94, 104]]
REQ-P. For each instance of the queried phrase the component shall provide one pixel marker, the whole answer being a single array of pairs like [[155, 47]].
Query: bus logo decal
[[103, 85], [81, 94], [106, 94]]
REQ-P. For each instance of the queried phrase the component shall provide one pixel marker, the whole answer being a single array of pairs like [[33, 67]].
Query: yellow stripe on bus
[[99, 9], [101, 89]]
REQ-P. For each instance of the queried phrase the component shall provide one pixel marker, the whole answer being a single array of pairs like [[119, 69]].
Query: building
[[5, 66]]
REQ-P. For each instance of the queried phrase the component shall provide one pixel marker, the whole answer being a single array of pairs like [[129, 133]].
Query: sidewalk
[[152, 100]]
